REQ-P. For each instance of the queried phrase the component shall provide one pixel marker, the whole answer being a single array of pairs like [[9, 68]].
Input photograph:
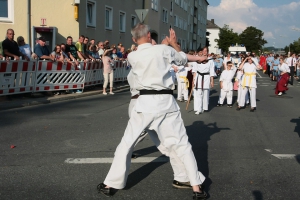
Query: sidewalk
[[23, 100]]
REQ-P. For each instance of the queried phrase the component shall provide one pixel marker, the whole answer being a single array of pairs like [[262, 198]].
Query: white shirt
[[209, 68], [290, 61], [249, 77], [150, 68], [226, 78], [284, 68]]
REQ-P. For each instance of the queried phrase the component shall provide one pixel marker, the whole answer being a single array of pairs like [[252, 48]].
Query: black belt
[[152, 92], [201, 74], [135, 96]]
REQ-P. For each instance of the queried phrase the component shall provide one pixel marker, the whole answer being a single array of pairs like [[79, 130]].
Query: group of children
[[240, 77]]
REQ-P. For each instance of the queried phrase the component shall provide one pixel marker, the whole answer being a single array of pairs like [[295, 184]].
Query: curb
[[47, 100]]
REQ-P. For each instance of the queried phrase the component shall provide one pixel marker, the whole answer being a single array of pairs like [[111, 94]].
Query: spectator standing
[[291, 62], [94, 52], [100, 48], [119, 53], [41, 49], [79, 44], [1, 51], [10, 47], [108, 72], [72, 51], [226, 59]]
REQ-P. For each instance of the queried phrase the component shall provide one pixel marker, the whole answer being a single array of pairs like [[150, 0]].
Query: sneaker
[[280, 93], [181, 185], [185, 101], [112, 93], [104, 93], [197, 113], [79, 91]]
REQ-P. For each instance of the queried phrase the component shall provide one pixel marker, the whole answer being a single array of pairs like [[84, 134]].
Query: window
[[177, 2], [7, 11], [154, 4], [133, 21], [108, 18], [122, 19], [165, 16], [185, 25], [91, 13], [181, 3], [171, 10], [175, 21]]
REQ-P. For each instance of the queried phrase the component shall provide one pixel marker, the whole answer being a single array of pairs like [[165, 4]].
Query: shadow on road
[[142, 172], [297, 127], [257, 195], [199, 135]]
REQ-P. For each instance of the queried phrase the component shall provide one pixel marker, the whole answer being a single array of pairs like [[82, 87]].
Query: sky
[[278, 19]]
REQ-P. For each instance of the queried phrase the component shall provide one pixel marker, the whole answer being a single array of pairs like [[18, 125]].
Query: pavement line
[[284, 156], [259, 75], [109, 160], [269, 150]]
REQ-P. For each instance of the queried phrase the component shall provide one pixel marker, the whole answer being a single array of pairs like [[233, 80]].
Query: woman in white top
[[248, 83], [283, 79]]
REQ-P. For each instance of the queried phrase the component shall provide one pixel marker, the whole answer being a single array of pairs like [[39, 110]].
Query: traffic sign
[[141, 13]]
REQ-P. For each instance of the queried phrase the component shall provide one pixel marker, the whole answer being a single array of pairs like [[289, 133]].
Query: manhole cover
[[281, 97]]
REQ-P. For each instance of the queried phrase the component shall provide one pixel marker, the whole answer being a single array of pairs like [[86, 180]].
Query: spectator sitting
[[10, 47], [100, 48], [57, 54], [41, 50], [72, 51], [94, 52], [25, 48], [119, 53]]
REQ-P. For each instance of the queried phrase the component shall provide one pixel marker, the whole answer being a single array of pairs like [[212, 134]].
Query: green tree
[[293, 47], [226, 38], [253, 39]]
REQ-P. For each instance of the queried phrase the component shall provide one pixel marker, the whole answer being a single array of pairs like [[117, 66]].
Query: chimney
[[212, 21]]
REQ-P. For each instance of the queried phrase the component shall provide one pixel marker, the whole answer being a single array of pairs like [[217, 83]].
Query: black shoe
[[106, 191], [219, 105], [134, 156], [252, 110], [238, 108], [181, 185], [200, 195]]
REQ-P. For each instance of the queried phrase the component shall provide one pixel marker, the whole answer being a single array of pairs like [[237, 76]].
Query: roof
[[210, 24]]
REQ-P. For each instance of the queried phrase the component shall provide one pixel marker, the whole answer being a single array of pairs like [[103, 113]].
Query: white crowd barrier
[[38, 76], [17, 77]]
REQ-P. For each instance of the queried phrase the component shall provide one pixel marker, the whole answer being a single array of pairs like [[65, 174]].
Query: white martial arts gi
[[239, 77], [177, 165], [202, 84], [160, 113], [182, 83], [227, 85], [248, 84]]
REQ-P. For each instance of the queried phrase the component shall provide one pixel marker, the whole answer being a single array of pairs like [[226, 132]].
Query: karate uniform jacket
[[209, 68], [226, 78]]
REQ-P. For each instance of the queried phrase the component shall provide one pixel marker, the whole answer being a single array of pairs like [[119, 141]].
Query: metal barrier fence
[[37, 76]]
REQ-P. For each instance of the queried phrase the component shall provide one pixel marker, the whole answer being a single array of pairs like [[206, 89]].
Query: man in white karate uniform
[[155, 109], [203, 80]]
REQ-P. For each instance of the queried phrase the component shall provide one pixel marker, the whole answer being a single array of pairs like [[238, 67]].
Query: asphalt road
[[234, 149]]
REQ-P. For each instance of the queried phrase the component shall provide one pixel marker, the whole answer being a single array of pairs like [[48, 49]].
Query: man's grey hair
[[140, 30]]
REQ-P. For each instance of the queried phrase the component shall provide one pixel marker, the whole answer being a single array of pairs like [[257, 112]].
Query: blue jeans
[[298, 72]]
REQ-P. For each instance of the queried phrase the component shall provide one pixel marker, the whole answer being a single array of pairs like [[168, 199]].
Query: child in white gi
[[183, 82], [226, 84]]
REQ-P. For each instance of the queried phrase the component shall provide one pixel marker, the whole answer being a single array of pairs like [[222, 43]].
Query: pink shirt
[[106, 65]]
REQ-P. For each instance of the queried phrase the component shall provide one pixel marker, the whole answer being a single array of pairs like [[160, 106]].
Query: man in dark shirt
[[10, 47], [72, 51], [41, 50]]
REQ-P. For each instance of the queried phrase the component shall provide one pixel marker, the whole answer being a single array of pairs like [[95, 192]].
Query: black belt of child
[[153, 92]]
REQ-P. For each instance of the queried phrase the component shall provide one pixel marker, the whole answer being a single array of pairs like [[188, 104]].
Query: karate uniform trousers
[[171, 132], [227, 93], [248, 84], [178, 167]]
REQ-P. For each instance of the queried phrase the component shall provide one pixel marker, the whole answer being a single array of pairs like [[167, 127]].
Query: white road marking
[[284, 156], [259, 75], [269, 150], [109, 160]]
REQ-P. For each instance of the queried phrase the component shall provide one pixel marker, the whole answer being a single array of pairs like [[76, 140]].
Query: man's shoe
[[200, 195], [106, 191], [181, 185]]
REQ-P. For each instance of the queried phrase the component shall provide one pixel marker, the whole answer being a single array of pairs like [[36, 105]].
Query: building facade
[[103, 20], [213, 31]]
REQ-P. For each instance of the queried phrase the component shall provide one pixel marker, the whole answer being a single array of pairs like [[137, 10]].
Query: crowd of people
[[84, 49]]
